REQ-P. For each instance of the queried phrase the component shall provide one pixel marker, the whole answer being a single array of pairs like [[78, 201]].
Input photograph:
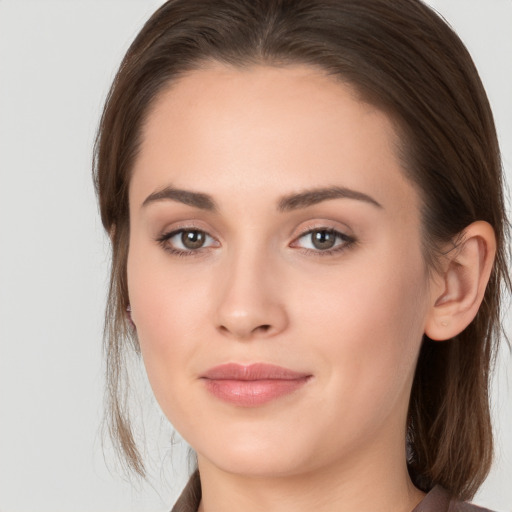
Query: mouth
[[252, 385]]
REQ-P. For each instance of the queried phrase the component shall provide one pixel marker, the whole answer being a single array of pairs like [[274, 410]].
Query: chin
[[257, 455]]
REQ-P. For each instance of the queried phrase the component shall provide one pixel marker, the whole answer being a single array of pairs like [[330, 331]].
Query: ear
[[458, 290]]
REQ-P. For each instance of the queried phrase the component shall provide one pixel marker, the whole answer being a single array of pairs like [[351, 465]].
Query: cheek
[[166, 310], [367, 323], [163, 300]]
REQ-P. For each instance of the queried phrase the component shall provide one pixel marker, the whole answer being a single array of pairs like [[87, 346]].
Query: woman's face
[[271, 224]]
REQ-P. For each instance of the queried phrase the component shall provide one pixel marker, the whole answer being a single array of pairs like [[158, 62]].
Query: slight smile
[[252, 385]]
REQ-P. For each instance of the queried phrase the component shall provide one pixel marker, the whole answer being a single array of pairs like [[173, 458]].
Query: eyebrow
[[317, 195], [287, 203], [197, 199]]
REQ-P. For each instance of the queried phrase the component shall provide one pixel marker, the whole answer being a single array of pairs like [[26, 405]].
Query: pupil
[[323, 239], [192, 239]]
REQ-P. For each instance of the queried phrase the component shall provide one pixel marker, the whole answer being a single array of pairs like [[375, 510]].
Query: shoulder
[[459, 506], [191, 496], [439, 500]]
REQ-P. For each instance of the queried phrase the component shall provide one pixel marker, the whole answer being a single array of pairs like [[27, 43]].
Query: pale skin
[[258, 289]]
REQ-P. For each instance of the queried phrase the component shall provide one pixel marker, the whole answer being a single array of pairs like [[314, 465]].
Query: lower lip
[[251, 393]]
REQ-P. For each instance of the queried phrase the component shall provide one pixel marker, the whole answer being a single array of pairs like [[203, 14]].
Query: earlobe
[[458, 290]]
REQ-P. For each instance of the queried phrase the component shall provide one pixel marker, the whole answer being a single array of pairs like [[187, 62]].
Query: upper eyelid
[[319, 224], [184, 226], [168, 234], [322, 228], [295, 234]]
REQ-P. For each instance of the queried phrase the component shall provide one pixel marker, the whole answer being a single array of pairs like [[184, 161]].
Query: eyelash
[[165, 237], [348, 241]]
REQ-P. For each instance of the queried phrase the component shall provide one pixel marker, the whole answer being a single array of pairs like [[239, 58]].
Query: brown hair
[[400, 56]]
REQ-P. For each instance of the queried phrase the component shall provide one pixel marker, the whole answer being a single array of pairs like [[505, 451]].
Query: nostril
[[243, 328]]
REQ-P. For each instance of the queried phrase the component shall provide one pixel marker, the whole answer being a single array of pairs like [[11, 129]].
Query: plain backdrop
[[57, 59]]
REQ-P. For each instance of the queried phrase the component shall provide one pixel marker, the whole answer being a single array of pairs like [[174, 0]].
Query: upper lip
[[256, 371]]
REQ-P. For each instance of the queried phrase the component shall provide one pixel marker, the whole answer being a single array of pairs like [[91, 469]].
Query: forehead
[[263, 128]]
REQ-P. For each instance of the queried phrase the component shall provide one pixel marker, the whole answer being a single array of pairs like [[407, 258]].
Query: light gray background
[[57, 59]]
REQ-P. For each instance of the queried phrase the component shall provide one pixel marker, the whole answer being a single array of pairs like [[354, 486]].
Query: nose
[[250, 299]]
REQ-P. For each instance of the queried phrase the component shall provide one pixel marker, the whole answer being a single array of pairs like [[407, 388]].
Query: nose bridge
[[249, 303]]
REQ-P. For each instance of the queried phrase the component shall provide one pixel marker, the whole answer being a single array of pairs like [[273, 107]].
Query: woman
[[304, 199]]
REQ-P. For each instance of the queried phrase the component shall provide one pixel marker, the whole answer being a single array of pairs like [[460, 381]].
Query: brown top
[[437, 500]]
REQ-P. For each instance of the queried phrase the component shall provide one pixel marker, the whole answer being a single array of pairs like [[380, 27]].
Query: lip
[[252, 385]]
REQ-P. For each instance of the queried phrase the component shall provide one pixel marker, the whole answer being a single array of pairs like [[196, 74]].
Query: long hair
[[401, 57]]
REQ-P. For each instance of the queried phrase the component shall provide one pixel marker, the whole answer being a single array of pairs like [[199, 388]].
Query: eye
[[186, 241], [323, 240]]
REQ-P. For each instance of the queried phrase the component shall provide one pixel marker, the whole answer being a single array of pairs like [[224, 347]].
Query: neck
[[356, 484]]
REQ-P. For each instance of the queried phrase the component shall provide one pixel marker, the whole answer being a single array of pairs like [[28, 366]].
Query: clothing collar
[[437, 500]]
